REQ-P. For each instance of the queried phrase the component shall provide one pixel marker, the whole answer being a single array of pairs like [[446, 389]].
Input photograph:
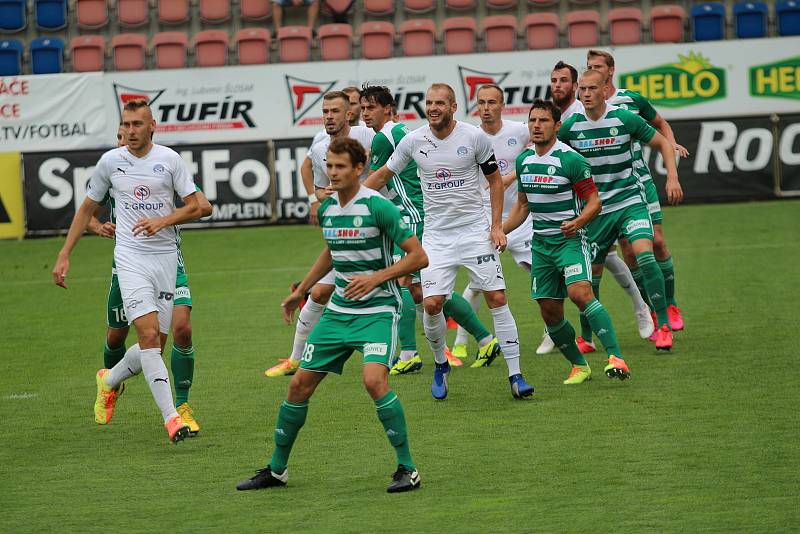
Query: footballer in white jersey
[[319, 151]]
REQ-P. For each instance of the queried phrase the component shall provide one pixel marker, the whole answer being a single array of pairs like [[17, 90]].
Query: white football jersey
[[575, 107], [508, 143], [142, 188], [450, 173], [319, 150]]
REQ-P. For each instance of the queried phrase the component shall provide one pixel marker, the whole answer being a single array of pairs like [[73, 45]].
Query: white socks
[[128, 366], [435, 331], [474, 299], [155, 373], [624, 278], [306, 321], [505, 329]]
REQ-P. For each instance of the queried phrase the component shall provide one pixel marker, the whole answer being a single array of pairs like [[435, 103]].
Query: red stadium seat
[[541, 30], [211, 48], [625, 25], [252, 46], [500, 4], [542, 3], [294, 43], [666, 23], [418, 36], [173, 11], [91, 14], [500, 33], [418, 6], [128, 50], [583, 28], [460, 4], [459, 35], [379, 7], [255, 9], [169, 49], [335, 41], [88, 53], [215, 11], [377, 40], [133, 13]]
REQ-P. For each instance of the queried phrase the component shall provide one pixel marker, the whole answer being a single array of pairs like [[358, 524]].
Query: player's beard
[[561, 102], [445, 118]]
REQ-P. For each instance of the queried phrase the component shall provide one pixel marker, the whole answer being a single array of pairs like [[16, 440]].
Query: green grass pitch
[[704, 438]]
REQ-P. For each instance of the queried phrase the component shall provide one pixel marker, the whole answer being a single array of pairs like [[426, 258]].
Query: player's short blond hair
[[593, 72], [496, 88], [450, 93], [607, 57]]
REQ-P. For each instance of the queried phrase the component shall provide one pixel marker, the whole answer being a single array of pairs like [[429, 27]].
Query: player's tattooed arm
[[519, 212], [673, 185], [76, 229], [321, 267]]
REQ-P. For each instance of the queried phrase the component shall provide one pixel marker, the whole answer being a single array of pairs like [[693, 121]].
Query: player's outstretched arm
[[519, 212], [673, 186], [663, 127], [414, 260], [321, 267], [76, 229], [190, 211]]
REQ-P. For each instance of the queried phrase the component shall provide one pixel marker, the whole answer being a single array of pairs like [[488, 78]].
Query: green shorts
[[631, 223], [558, 262], [337, 335], [399, 252], [653, 205], [115, 315]]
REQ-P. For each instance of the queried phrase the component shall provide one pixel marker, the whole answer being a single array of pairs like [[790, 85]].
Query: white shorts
[[468, 247], [519, 243], [147, 284]]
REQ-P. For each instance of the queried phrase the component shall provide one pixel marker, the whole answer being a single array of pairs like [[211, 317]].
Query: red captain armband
[[585, 188]]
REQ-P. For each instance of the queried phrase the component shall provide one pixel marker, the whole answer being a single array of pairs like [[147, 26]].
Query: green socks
[[563, 335], [291, 418], [112, 357], [460, 310], [407, 331], [654, 285], [182, 363], [668, 270], [598, 317], [638, 277], [390, 412], [586, 327]]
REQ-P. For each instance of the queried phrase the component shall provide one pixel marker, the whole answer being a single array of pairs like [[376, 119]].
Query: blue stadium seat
[[10, 57], [750, 19], [708, 21], [50, 14], [13, 15], [788, 13], [47, 55]]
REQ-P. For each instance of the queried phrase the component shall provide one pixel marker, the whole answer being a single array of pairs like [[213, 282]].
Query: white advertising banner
[[52, 112]]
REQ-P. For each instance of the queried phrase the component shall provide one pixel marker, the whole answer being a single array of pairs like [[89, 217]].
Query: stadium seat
[[500, 33], [625, 25], [252, 46], [91, 14], [750, 19], [335, 41], [337, 9], [459, 35], [255, 9], [173, 11], [128, 51], [460, 5], [418, 37], [666, 23], [13, 15], [584, 2], [215, 11], [88, 53], [708, 21], [169, 50], [11, 52], [47, 55], [133, 13], [377, 40], [211, 48], [542, 3], [583, 28], [418, 6], [379, 7], [788, 16], [541, 30], [294, 43], [500, 4], [50, 14]]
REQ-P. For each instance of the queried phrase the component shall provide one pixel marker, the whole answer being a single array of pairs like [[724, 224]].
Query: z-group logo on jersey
[[445, 181], [305, 95], [518, 98], [215, 113]]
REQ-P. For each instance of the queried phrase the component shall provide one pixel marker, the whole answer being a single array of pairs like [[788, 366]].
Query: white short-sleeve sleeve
[[100, 182], [483, 147], [319, 169], [401, 156], [181, 179]]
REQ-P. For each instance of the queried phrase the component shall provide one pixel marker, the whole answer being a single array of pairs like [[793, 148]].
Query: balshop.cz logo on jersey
[[206, 112], [305, 97], [518, 97]]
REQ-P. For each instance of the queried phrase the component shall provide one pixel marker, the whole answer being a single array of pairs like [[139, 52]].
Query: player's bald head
[[593, 73], [443, 87]]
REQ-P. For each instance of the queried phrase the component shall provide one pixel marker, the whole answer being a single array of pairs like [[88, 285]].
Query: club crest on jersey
[[551, 169], [613, 131], [141, 192], [512, 141], [159, 168], [304, 95], [503, 164], [357, 221], [462, 151]]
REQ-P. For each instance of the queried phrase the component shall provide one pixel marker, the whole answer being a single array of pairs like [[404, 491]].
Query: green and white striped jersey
[[549, 182], [636, 103], [607, 144], [404, 189], [361, 237]]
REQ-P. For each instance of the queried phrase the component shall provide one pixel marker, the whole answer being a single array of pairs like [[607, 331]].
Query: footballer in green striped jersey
[[605, 136], [555, 187], [360, 227]]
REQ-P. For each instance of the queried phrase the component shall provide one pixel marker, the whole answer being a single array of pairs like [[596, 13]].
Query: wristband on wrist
[[312, 198]]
